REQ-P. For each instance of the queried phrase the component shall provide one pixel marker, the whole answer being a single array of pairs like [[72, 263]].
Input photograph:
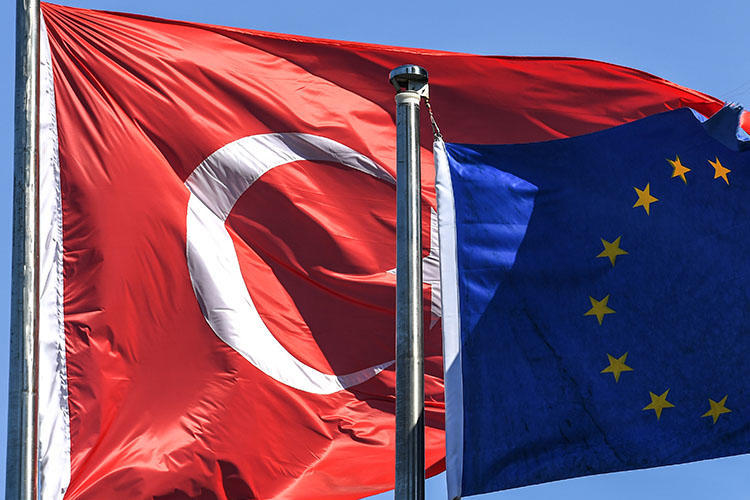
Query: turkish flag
[[219, 224]]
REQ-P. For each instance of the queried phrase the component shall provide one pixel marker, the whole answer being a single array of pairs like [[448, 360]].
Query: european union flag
[[596, 301]]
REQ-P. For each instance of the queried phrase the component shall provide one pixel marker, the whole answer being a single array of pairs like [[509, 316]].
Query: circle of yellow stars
[[600, 307]]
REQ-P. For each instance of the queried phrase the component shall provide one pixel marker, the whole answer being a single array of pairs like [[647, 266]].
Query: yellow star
[[679, 169], [644, 198], [617, 366], [719, 170], [599, 308], [658, 403], [717, 408], [612, 250]]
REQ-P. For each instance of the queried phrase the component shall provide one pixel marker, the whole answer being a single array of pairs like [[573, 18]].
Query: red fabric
[[160, 407]]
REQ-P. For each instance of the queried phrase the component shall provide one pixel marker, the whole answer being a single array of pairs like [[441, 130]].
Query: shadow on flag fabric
[[218, 217], [596, 301]]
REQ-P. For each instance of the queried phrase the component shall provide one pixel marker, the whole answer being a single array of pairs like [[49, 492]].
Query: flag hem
[[452, 365], [54, 415]]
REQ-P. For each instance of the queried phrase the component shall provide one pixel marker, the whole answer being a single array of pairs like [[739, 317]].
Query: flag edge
[[54, 415], [451, 322]]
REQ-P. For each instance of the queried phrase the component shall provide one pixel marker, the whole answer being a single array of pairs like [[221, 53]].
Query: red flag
[[219, 225]]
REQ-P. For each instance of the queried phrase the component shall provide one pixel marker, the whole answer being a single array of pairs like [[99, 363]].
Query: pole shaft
[[21, 467], [409, 307]]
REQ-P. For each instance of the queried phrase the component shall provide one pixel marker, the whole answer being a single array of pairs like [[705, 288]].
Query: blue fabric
[[530, 220]]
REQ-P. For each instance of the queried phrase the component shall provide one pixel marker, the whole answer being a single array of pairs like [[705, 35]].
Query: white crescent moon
[[215, 186]]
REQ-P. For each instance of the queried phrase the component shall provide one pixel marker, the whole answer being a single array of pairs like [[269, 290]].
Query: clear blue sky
[[699, 44]]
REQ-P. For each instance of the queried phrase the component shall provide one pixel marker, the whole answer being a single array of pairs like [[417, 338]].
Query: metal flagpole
[[411, 85], [21, 467]]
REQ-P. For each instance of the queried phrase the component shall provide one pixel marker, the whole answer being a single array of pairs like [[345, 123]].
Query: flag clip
[[435, 129]]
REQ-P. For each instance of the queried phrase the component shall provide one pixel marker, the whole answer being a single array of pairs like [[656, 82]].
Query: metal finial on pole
[[410, 82], [21, 467]]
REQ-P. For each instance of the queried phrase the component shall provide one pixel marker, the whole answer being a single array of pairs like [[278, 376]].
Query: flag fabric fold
[[597, 293], [220, 240]]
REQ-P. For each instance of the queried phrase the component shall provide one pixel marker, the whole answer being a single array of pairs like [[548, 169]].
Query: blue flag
[[596, 301]]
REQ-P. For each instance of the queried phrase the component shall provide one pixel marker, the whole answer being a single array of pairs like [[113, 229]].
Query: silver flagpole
[[21, 467], [410, 82]]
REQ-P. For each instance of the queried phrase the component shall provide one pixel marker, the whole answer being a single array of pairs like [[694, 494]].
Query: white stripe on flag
[[454, 411], [54, 421]]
